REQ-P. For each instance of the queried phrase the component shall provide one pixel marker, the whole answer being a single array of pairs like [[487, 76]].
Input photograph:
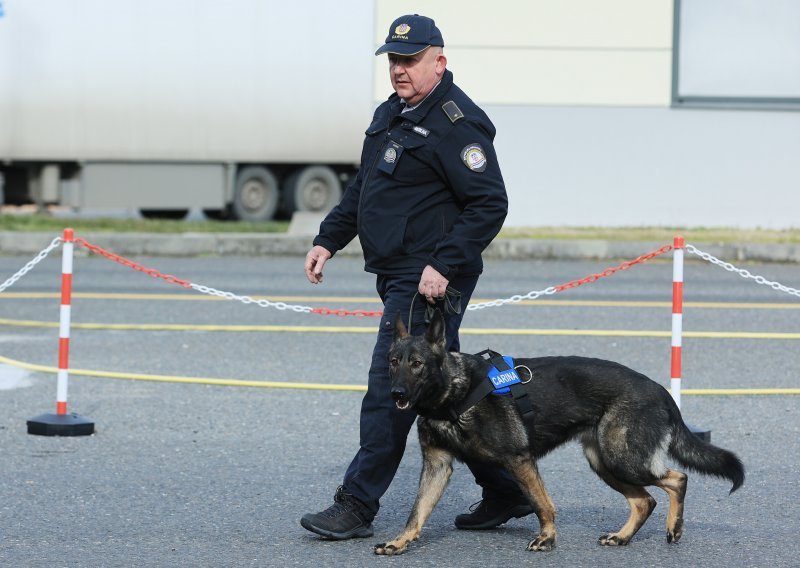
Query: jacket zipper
[[369, 172]]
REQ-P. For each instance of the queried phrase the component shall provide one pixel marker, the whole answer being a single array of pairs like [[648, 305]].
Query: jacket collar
[[422, 109]]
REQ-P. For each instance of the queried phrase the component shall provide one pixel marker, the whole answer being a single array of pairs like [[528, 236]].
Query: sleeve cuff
[[325, 243], [443, 269]]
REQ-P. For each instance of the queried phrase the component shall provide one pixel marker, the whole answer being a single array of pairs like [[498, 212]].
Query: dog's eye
[[416, 364], [393, 362]]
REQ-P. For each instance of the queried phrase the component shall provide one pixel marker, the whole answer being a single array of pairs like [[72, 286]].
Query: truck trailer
[[245, 109]]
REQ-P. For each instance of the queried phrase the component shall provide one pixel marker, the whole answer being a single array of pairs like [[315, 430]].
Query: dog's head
[[415, 363]]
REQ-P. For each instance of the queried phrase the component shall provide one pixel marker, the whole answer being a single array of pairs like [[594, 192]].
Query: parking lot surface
[[182, 473]]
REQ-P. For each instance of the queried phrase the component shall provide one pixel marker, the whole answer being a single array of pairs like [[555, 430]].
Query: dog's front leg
[[527, 475], [437, 467]]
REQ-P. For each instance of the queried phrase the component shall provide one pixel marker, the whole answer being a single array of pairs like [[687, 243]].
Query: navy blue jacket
[[429, 189]]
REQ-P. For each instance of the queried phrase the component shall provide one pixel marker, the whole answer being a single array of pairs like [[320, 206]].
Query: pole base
[[60, 425], [701, 433]]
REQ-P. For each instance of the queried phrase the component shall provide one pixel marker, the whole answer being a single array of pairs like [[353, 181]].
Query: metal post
[[677, 318], [677, 333], [61, 423]]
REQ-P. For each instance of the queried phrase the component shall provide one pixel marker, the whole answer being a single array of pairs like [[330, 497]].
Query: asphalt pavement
[[182, 473]]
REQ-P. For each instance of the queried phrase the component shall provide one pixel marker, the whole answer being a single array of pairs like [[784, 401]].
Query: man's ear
[[400, 330], [435, 333]]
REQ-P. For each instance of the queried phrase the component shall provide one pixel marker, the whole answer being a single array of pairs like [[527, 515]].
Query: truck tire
[[256, 195], [314, 188]]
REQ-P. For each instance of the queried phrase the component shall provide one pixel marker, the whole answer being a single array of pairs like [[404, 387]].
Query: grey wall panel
[[609, 166]]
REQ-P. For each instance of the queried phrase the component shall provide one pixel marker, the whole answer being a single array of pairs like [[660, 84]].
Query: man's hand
[[315, 261], [432, 284]]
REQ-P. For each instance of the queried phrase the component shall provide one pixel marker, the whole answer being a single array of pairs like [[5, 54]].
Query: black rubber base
[[701, 433], [60, 425]]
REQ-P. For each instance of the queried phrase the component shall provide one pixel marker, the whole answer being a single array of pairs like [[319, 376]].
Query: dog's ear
[[435, 333], [400, 330]]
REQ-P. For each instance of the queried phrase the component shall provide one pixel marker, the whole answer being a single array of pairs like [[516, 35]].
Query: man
[[427, 200]]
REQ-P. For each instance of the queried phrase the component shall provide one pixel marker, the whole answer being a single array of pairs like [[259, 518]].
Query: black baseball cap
[[408, 35]]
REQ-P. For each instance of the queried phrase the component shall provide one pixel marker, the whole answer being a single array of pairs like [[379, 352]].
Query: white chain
[[248, 300], [28, 267], [533, 295], [513, 299], [742, 272]]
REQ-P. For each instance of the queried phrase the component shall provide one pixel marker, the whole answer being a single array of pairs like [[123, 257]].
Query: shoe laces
[[335, 510], [343, 503]]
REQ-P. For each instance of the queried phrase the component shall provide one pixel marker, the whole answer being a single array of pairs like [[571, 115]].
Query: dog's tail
[[700, 456]]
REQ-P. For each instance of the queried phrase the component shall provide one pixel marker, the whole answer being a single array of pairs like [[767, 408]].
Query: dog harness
[[503, 379]]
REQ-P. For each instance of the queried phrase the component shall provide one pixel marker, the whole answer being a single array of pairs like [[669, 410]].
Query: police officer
[[427, 200]]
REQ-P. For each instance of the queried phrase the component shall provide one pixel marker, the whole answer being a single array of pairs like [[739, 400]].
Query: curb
[[248, 244]]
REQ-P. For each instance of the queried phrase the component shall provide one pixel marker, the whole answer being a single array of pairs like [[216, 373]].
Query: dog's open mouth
[[403, 404]]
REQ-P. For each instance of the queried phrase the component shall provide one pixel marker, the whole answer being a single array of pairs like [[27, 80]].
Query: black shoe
[[346, 518], [491, 513]]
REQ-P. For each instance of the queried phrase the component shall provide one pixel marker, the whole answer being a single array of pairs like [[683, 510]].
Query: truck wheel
[[172, 214], [315, 188], [255, 197]]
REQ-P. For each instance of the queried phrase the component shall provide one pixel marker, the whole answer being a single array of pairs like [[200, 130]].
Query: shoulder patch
[[474, 157], [452, 111]]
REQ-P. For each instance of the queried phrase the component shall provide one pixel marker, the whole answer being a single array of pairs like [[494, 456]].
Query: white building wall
[[580, 92]]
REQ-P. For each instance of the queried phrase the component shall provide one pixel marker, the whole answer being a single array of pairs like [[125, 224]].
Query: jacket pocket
[[400, 157], [382, 237], [426, 229]]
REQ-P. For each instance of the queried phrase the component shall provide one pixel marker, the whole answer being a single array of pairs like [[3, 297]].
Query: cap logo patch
[[474, 157], [402, 29]]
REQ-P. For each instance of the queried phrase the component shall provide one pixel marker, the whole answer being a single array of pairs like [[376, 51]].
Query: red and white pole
[[678, 247], [677, 318], [64, 321], [61, 423]]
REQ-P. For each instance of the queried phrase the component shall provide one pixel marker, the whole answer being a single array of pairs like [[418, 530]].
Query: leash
[[451, 303]]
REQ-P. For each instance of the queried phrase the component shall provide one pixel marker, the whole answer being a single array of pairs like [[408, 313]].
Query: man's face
[[414, 76]]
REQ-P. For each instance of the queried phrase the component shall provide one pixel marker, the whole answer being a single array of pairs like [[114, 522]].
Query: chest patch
[[392, 152], [474, 157], [422, 131]]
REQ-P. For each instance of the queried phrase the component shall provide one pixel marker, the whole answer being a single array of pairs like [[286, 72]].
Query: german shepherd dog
[[627, 424]]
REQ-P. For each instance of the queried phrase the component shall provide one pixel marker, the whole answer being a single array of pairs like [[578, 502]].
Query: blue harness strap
[[503, 380]]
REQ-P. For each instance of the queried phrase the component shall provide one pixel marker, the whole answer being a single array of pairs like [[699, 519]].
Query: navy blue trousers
[[383, 427]]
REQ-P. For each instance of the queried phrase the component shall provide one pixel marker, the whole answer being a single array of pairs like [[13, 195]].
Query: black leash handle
[[451, 301]]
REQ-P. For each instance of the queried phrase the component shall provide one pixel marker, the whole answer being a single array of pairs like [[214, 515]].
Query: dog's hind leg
[[674, 483], [527, 476], [641, 504], [437, 467], [639, 500]]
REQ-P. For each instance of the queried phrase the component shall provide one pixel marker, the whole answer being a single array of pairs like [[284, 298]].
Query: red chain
[[609, 271], [129, 263], [342, 313], [365, 313]]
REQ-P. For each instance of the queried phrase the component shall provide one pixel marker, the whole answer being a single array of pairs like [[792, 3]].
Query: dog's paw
[[674, 537], [542, 543], [675, 533], [388, 549], [612, 540]]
